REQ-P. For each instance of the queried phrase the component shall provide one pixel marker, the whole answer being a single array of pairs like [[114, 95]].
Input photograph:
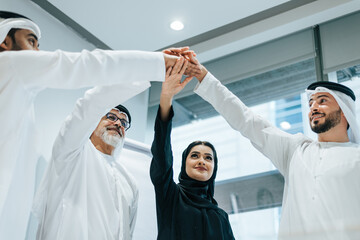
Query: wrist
[[203, 73], [166, 99], [165, 106]]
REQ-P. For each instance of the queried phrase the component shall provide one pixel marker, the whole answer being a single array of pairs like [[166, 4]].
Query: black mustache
[[314, 113]]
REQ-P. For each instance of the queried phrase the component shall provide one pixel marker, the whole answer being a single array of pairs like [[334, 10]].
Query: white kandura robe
[[23, 74], [86, 194], [322, 179]]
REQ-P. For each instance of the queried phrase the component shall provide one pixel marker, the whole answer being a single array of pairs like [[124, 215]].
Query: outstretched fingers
[[183, 67], [183, 51], [168, 72], [175, 51], [182, 71], [178, 66]]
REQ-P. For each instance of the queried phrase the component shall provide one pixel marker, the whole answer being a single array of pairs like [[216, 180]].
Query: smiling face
[[325, 112], [200, 163], [111, 133]]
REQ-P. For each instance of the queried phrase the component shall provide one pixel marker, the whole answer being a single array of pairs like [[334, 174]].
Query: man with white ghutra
[[322, 177], [23, 74]]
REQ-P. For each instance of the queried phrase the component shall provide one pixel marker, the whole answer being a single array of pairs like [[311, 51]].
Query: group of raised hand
[[194, 69], [184, 63]]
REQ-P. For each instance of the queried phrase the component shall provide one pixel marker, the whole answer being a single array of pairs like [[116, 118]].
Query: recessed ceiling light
[[285, 125], [177, 25]]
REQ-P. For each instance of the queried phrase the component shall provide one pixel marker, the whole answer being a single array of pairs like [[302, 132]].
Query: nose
[[119, 125], [314, 107], [201, 162]]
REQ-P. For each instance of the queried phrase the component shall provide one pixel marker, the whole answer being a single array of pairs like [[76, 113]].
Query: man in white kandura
[[23, 75], [86, 193], [322, 178]]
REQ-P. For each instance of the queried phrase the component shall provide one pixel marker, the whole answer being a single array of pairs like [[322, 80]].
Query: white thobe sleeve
[[60, 69], [275, 144], [88, 112]]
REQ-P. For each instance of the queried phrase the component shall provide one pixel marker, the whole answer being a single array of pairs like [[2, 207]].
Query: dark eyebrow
[[33, 35], [209, 154], [319, 97], [122, 118]]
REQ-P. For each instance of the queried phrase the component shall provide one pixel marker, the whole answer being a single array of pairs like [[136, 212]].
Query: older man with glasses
[[86, 193], [23, 75]]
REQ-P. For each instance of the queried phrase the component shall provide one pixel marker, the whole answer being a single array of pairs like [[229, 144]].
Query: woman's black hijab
[[198, 193]]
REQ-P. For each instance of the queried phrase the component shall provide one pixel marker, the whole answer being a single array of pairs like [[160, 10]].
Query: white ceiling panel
[[213, 29], [145, 25]]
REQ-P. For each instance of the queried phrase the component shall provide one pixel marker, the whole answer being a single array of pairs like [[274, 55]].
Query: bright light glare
[[285, 125], [177, 25]]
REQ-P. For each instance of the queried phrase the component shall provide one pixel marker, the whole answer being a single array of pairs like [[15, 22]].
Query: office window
[[351, 77]]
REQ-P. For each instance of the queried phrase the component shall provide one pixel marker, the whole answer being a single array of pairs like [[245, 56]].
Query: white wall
[[139, 164]]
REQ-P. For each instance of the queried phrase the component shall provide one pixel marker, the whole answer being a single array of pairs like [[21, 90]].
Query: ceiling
[[215, 31], [212, 30]]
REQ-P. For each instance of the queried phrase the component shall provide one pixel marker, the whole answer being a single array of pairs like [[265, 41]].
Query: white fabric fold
[[7, 24]]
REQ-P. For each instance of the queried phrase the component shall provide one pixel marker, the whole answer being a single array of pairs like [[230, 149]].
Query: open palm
[[173, 84]]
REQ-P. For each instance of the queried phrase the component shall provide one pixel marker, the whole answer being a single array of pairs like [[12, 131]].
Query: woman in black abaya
[[187, 210]]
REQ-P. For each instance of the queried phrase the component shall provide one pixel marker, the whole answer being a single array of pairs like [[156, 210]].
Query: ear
[[6, 44]]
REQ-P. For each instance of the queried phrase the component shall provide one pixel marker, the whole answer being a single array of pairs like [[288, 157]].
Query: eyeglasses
[[112, 117]]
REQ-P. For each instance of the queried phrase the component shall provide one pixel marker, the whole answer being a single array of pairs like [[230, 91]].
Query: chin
[[201, 178], [111, 139]]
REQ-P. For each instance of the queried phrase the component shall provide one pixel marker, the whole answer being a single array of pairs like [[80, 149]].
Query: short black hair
[[6, 14], [121, 108], [333, 86], [12, 32]]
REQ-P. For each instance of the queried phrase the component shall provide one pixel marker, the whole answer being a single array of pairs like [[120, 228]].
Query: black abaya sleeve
[[161, 168]]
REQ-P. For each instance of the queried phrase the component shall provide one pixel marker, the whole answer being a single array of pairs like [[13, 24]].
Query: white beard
[[112, 140]]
